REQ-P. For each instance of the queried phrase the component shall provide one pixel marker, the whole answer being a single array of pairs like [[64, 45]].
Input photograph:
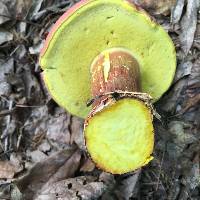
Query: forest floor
[[42, 153]]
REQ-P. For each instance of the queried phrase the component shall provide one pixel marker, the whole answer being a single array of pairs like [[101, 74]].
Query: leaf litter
[[42, 153]]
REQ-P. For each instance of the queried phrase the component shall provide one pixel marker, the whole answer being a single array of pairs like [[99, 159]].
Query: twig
[[27, 106], [19, 105], [19, 139]]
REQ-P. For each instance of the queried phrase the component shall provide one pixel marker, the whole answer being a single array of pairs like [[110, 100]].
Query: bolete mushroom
[[112, 52]]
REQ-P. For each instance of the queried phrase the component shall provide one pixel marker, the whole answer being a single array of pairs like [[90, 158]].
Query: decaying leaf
[[32, 87], [178, 129], [194, 78], [157, 7], [84, 187], [6, 68], [7, 170], [57, 167], [5, 36], [193, 180], [36, 48], [22, 7], [191, 102], [15, 194], [122, 187], [172, 100], [58, 126], [55, 126], [180, 137], [126, 188], [36, 156], [183, 69], [3, 13], [66, 170], [35, 7], [188, 25], [88, 166], [192, 94], [76, 128], [177, 11]]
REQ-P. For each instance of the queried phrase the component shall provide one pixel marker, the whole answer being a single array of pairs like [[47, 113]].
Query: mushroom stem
[[118, 131], [113, 70]]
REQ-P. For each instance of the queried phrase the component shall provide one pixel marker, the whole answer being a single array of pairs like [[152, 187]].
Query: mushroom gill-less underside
[[92, 27], [120, 138]]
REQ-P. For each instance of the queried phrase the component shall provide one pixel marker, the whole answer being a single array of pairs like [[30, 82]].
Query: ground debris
[[7, 170], [157, 7], [4, 13], [57, 167], [188, 25], [5, 36], [177, 11], [42, 150], [83, 187], [88, 166]]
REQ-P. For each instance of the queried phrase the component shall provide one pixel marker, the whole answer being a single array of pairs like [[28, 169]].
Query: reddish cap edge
[[59, 22], [73, 9]]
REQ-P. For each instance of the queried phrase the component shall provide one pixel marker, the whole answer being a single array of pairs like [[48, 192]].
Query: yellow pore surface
[[93, 28], [120, 138]]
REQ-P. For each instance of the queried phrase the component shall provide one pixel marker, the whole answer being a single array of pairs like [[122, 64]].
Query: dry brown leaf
[[59, 166], [127, 187], [192, 95], [188, 25], [182, 70], [170, 101], [84, 187], [121, 187], [66, 170], [194, 78], [22, 7], [36, 156], [177, 11], [6, 69], [76, 128], [7, 170], [191, 102], [54, 126], [88, 166], [17, 161], [58, 125], [5, 36], [157, 7], [3, 12], [32, 89]]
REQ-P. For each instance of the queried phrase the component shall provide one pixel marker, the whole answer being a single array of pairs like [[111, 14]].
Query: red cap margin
[[59, 22]]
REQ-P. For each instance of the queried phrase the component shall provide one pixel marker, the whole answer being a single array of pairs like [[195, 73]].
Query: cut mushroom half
[[119, 132]]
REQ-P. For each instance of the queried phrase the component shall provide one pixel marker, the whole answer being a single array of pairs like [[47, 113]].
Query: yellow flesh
[[99, 25], [120, 139]]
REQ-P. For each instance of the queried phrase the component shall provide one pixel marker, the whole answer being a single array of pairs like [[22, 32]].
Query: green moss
[[120, 138], [99, 25]]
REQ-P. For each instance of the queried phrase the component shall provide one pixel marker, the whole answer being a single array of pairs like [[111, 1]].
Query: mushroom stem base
[[118, 131]]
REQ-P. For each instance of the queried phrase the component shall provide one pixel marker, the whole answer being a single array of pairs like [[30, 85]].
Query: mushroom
[[113, 52]]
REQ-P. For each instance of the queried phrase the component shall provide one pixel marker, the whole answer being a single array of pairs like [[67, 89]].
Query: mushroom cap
[[91, 27], [120, 137]]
